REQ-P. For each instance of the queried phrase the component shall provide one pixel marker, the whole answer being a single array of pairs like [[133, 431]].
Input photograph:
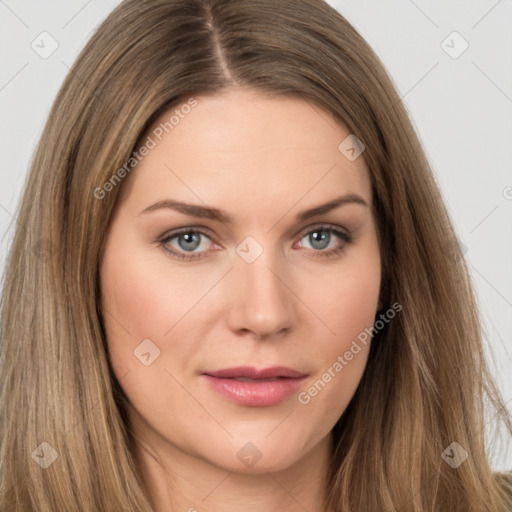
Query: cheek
[[143, 301], [139, 294], [347, 306], [140, 306], [137, 305], [347, 300], [342, 357]]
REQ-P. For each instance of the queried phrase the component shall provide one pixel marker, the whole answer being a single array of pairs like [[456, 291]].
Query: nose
[[260, 301]]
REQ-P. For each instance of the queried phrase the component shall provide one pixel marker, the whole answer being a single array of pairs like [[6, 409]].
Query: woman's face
[[256, 280]]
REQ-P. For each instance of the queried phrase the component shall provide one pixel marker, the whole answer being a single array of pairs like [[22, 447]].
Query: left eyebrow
[[196, 210], [331, 205]]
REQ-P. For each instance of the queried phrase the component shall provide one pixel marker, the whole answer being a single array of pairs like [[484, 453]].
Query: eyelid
[[208, 232], [345, 235], [322, 225], [173, 233]]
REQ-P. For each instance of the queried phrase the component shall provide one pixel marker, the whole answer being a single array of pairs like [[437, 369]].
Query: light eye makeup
[[320, 238]]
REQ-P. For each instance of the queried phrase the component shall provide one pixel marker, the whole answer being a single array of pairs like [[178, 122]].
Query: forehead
[[240, 144]]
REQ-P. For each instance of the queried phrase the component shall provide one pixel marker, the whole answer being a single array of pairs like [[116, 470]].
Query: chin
[[259, 454]]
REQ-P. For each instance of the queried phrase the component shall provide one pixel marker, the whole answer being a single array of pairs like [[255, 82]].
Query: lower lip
[[255, 394]]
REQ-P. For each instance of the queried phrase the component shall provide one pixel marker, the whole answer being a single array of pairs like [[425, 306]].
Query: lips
[[251, 387], [248, 372]]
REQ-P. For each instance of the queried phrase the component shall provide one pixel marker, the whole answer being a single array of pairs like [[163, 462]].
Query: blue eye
[[320, 237], [188, 240]]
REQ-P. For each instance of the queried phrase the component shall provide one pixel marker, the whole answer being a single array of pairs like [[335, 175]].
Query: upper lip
[[250, 372]]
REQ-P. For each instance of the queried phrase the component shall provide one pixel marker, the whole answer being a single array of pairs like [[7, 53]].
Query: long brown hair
[[426, 381]]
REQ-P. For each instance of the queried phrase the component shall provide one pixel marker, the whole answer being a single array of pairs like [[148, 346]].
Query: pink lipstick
[[251, 387]]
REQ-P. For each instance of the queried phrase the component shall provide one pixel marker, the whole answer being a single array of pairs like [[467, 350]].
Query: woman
[[234, 284]]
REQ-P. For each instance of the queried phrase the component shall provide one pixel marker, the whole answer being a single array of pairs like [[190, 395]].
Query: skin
[[262, 160]]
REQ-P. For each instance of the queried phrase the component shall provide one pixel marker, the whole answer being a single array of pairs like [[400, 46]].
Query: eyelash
[[345, 236]]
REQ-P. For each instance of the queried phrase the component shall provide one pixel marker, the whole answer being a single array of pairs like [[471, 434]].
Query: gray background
[[461, 105]]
